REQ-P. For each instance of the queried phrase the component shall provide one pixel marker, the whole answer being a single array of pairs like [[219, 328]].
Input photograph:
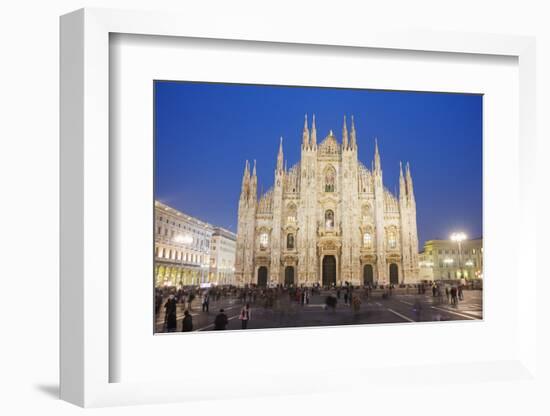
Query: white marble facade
[[327, 220]]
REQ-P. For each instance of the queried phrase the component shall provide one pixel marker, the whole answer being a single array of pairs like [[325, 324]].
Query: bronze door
[[289, 275], [394, 276], [262, 276], [368, 275], [329, 270]]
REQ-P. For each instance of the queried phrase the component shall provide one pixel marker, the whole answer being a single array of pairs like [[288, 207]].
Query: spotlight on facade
[[183, 239]]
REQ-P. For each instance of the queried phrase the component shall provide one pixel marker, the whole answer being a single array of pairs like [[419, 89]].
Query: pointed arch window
[[291, 213], [367, 240], [290, 241], [264, 240], [392, 239], [366, 212], [330, 179], [329, 218]]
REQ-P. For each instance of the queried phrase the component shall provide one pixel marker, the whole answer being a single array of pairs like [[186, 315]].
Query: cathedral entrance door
[[329, 270], [368, 275], [289, 275], [394, 277], [262, 276]]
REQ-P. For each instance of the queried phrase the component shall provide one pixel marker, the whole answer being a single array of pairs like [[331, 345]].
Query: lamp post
[[449, 262], [459, 238], [185, 240]]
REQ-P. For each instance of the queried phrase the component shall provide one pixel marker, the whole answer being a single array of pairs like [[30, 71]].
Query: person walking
[[447, 293], [453, 295], [460, 293], [330, 302], [245, 316], [205, 302], [187, 323], [221, 321], [356, 303], [170, 318]]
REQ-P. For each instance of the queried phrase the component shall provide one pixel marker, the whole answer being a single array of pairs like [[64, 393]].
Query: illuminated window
[[367, 239], [392, 239], [264, 240], [329, 218]]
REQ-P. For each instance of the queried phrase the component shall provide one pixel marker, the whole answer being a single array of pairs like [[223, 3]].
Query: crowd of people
[[279, 297], [453, 293], [167, 300]]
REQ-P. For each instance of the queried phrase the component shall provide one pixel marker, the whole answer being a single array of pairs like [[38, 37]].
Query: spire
[[353, 144], [409, 182], [280, 156], [313, 133], [402, 186], [345, 134], [377, 164], [246, 178], [254, 183], [246, 174], [305, 134]]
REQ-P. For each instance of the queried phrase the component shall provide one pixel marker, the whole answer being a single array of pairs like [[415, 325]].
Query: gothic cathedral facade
[[327, 220]]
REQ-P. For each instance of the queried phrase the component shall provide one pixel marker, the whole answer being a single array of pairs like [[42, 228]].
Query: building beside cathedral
[[326, 220], [445, 260]]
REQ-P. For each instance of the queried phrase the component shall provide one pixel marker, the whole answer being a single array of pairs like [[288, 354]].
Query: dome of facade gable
[[329, 145]]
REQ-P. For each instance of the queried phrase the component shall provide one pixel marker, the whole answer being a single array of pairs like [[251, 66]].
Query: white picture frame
[[85, 212]]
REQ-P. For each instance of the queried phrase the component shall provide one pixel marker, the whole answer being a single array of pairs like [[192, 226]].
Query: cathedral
[[327, 220]]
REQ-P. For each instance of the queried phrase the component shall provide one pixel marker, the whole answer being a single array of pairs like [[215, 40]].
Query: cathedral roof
[[329, 145]]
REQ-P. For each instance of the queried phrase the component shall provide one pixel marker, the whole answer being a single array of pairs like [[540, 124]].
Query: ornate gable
[[329, 146]]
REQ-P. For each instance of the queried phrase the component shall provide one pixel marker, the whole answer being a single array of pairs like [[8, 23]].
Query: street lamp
[[459, 238], [185, 240], [448, 262]]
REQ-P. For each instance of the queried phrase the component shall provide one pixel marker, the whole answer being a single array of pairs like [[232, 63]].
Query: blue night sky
[[205, 132]]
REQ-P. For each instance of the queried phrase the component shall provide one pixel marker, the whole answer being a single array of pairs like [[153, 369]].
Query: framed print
[[319, 230], [238, 202]]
